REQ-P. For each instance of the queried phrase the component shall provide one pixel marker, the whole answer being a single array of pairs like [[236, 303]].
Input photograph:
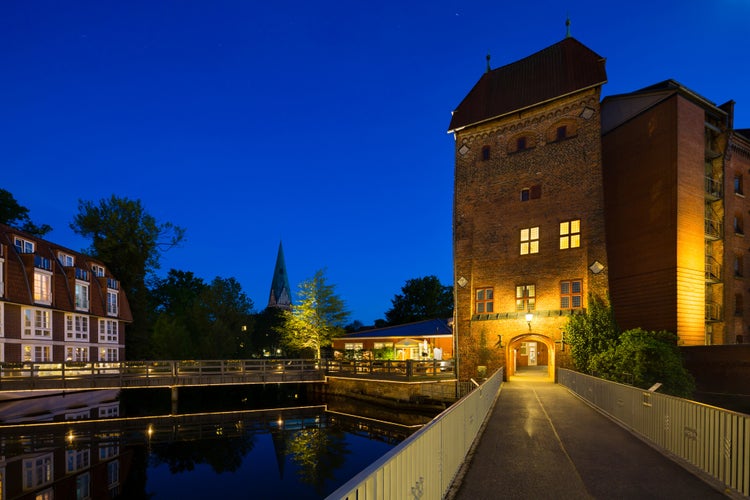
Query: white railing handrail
[[710, 440], [426, 463]]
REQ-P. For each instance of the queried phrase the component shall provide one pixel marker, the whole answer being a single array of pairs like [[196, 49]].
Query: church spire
[[567, 27], [280, 293]]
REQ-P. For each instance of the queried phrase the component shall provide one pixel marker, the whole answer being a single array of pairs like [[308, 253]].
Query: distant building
[[638, 199], [418, 340], [280, 295], [57, 304]]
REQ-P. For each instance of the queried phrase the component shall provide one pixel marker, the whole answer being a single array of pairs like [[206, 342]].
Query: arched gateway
[[530, 351]]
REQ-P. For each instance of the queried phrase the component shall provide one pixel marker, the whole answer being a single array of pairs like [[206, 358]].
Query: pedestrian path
[[542, 442]]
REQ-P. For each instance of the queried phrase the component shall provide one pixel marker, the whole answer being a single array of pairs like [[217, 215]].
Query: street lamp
[[529, 317]]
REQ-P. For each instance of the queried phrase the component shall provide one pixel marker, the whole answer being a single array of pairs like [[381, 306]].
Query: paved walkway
[[542, 442]]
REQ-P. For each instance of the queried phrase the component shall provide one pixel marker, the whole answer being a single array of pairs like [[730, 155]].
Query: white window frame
[[36, 353], [76, 460], [353, 346], [38, 471], [108, 331], [97, 270], [76, 353], [2, 280], [77, 327], [529, 240], [23, 245], [37, 323], [66, 260], [113, 302], [82, 299], [113, 473], [108, 354], [42, 287]]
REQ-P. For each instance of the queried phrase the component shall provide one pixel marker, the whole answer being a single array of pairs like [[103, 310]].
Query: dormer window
[[23, 246], [65, 259], [97, 270]]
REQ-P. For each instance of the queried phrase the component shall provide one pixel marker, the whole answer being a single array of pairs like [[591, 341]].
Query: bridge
[[68, 376], [580, 438]]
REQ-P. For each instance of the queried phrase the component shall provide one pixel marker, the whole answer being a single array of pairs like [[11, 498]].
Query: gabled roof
[[428, 328], [561, 69]]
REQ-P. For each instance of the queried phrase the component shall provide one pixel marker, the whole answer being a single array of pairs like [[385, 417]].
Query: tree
[[591, 333], [643, 358], [227, 311], [421, 299], [129, 241], [317, 317], [16, 215]]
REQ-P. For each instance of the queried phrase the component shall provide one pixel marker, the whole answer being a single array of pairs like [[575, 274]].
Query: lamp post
[[529, 317]]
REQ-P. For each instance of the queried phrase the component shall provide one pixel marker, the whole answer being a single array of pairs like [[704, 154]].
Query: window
[[2, 319], [570, 234], [738, 304], [112, 309], [23, 246], [2, 279], [37, 471], [521, 144], [525, 297], [562, 132], [97, 270], [107, 354], [83, 491], [485, 153], [738, 266], [76, 354], [37, 323], [42, 287], [76, 327], [485, 302], [109, 410], [107, 330], [571, 294], [353, 346], [529, 240], [82, 296], [738, 229], [113, 473], [65, 259], [76, 460], [738, 184], [108, 451], [525, 194], [36, 353], [532, 193]]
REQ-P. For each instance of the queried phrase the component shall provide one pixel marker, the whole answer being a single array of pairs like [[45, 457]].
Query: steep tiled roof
[[560, 69], [426, 328]]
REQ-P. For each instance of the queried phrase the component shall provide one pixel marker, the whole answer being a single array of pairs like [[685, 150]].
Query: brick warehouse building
[[557, 193], [56, 304]]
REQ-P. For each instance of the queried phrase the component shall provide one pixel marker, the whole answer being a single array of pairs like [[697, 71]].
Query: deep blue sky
[[322, 124]]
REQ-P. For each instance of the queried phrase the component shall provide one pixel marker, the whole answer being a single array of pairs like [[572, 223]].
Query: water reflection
[[300, 452]]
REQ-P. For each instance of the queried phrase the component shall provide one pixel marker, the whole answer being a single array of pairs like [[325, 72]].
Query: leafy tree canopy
[[591, 333], [421, 299], [317, 317], [16, 215]]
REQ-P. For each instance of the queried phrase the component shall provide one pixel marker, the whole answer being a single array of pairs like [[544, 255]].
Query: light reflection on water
[[301, 452]]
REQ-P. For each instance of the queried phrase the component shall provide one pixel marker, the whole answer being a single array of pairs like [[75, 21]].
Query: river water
[[246, 442]]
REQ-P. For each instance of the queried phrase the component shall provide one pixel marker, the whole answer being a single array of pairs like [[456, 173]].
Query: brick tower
[[528, 222]]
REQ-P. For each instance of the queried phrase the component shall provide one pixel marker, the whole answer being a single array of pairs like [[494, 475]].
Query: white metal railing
[[425, 464], [712, 440]]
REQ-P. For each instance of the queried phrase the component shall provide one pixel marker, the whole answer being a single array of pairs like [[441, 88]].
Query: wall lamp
[[529, 317]]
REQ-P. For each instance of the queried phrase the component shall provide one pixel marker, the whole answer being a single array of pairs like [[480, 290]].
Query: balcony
[[113, 284], [42, 263], [713, 312], [714, 228], [713, 270], [81, 274], [713, 188]]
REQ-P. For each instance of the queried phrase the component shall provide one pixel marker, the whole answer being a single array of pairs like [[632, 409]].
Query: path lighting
[[529, 317]]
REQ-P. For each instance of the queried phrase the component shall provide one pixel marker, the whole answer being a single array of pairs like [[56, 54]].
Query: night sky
[[322, 124]]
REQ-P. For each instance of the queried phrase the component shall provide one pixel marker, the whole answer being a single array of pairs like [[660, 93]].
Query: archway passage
[[530, 356]]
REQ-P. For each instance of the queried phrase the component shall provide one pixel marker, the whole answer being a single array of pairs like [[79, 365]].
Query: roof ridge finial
[[488, 62], [567, 26]]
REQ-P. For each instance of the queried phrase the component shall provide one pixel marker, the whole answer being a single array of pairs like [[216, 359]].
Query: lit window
[[570, 234], [36, 353], [76, 354], [571, 295], [42, 287], [485, 302], [76, 327], [37, 323], [525, 297], [529, 240], [107, 354], [353, 346]]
